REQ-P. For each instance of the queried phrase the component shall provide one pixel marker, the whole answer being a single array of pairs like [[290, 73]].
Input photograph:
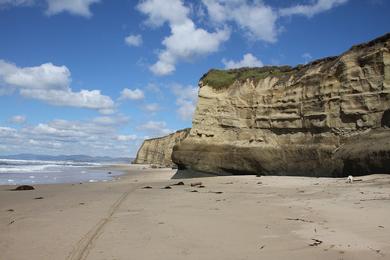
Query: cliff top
[[161, 137], [219, 79]]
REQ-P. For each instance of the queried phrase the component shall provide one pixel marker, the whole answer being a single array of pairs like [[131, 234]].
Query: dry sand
[[243, 217]]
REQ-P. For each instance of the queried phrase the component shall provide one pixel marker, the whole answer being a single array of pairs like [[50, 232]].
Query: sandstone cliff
[[327, 118], [158, 151]]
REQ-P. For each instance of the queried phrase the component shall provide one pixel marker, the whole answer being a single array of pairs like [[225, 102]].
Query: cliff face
[[327, 118], [158, 151]]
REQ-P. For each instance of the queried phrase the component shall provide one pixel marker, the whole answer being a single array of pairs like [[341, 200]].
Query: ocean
[[28, 172]]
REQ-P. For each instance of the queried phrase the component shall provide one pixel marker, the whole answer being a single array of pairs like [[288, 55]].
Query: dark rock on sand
[[24, 187]]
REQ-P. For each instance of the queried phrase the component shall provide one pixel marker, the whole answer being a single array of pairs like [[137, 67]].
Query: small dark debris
[[13, 221], [10, 210], [196, 184], [300, 219], [194, 191], [109, 172], [24, 187], [147, 187], [179, 183], [201, 186], [381, 226], [167, 187], [259, 182], [262, 247], [81, 203], [38, 198], [316, 242], [216, 192]]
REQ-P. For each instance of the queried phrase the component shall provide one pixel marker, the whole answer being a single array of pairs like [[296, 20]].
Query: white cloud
[[155, 128], [45, 76], [134, 40], [131, 94], [310, 10], [98, 136], [111, 120], [186, 99], [92, 99], [154, 107], [248, 60], [7, 132], [18, 119], [154, 88], [75, 7], [186, 40], [50, 83], [126, 138], [16, 2], [307, 57], [257, 19], [160, 11]]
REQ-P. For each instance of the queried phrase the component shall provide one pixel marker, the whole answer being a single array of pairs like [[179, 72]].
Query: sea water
[[21, 172]]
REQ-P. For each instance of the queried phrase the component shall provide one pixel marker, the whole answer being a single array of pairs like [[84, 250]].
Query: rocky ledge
[[158, 151], [327, 118]]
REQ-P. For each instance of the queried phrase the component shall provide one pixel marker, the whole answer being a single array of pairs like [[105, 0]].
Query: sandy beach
[[235, 217]]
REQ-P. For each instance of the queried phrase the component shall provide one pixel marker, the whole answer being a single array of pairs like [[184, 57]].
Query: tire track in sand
[[85, 244]]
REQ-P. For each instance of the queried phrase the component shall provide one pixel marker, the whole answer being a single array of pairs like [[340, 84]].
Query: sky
[[97, 77]]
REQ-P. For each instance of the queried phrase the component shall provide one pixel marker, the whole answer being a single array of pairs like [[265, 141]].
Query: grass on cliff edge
[[219, 79]]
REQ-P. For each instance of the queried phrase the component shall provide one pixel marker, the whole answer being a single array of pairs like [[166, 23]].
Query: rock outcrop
[[327, 118], [158, 151]]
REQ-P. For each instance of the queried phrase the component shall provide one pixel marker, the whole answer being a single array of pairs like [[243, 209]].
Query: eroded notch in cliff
[[385, 122]]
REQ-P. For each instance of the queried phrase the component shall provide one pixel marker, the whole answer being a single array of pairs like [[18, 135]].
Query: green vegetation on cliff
[[219, 79]]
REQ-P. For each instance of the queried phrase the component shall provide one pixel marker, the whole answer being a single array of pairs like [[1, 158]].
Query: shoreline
[[66, 175], [232, 217]]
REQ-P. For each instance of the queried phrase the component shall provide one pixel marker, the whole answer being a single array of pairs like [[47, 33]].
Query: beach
[[231, 217]]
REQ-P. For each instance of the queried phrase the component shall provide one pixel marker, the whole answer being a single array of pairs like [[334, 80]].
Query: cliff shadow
[[189, 174]]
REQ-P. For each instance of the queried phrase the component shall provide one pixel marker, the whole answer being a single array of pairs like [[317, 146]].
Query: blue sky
[[97, 76]]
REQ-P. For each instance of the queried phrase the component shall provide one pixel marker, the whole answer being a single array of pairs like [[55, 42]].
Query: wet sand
[[232, 217]]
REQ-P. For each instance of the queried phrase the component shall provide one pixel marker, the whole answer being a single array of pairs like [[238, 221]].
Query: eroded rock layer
[[158, 151], [327, 118]]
